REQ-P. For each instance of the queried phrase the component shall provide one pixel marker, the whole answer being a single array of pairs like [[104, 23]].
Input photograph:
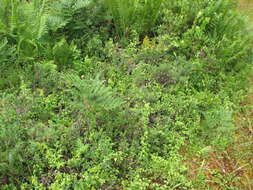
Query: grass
[[232, 168], [246, 5]]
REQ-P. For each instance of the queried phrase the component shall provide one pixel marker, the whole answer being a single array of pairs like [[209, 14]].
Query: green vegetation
[[246, 6], [112, 94]]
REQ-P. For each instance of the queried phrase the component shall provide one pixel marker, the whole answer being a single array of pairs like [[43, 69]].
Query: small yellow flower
[[147, 43]]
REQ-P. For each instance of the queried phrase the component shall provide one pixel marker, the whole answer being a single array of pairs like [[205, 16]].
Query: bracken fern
[[93, 92]]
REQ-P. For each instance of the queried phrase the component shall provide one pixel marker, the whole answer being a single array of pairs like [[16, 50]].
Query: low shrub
[[105, 95]]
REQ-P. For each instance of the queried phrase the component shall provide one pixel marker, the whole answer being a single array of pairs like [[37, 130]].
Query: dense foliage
[[104, 94]]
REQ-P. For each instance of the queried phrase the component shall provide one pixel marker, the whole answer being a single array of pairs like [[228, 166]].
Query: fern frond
[[3, 43], [138, 14], [24, 24], [62, 12], [94, 92], [79, 4], [5, 50]]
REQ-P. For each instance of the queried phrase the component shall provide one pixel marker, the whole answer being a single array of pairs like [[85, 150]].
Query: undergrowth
[[105, 94]]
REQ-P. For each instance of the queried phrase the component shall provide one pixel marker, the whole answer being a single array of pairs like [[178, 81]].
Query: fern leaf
[[94, 92]]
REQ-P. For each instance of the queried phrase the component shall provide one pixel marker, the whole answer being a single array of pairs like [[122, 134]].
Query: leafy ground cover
[[112, 94], [231, 168]]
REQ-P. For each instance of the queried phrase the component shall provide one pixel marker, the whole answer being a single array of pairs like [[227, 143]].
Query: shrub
[[79, 109]]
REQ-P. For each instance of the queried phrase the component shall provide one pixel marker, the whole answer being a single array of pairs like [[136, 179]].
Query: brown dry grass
[[247, 7]]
